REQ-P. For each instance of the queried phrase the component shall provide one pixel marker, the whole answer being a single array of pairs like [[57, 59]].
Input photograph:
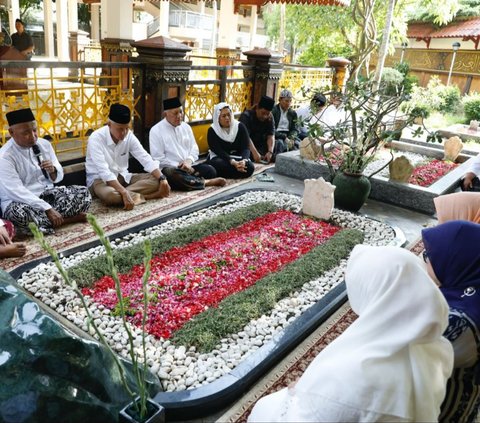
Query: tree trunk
[[383, 50]]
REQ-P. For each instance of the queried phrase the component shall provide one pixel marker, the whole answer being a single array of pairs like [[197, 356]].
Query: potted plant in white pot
[[369, 120], [141, 409]]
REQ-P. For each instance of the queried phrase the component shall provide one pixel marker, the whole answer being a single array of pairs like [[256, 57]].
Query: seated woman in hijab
[[458, 206], [391, 364], [228, 141], [7, 247], [452, 254]]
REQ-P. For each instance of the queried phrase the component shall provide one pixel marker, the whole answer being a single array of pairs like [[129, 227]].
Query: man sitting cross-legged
[[108, 151], [173, 144], [28, 170]]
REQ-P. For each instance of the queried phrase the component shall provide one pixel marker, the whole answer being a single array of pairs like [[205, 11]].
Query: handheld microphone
[[39, 156]]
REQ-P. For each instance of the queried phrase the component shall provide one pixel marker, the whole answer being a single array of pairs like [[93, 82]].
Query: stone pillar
[[228, 22], [266, 73], [166, 75], [340, 68], [62, 30], [164, 12], [48, 28], [95, 29], [73, 35], [253, 27], [116, 30]]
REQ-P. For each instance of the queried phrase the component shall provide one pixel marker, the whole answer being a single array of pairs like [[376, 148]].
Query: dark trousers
[[226, 170], [182, 181]]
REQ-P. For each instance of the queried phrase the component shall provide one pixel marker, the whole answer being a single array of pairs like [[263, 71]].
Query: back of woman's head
[[390, 288], [453, 249]]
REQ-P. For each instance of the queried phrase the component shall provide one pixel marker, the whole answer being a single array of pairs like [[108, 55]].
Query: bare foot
[[215, 182], [81, 217], [13, 250]]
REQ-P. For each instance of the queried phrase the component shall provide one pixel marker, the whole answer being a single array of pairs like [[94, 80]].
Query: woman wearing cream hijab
[[458, 206], [391, 364]]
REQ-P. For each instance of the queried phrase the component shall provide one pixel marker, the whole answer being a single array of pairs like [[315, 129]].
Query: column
[[163, 17], [201, 32], [253, 26], [166, 76], [13, 13], [73, 35], [214, 43], [48, 28], [340, 67], [228, 22], [62, 30], [95, 28]]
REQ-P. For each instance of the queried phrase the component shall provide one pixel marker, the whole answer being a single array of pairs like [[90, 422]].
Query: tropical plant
[[140, 370], [370, 121], [471, 107]]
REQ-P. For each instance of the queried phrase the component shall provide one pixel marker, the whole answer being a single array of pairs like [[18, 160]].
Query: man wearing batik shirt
[[108, 151], [28, 170]]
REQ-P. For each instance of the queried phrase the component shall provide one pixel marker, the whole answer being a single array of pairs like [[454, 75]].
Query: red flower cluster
[[428, 173], [188, 280]]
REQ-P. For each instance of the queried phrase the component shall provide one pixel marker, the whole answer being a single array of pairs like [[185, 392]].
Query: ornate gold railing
[[226, 84], [303, 81], [69, 100]]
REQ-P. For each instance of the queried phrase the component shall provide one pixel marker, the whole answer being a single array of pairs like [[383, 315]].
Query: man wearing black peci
[[28, 170]]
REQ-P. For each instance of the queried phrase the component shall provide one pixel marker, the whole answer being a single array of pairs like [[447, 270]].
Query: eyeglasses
[[425, 256]]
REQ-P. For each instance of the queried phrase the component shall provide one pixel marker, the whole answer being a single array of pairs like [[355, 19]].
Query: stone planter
[[351, 190], [397, 193]]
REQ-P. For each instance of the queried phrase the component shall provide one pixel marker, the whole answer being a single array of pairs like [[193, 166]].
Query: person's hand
[[467, 181], [186, 166], [48, 166], [4, 238], [290, 143], [256, 157], [128, 202], [54, 217], [240, 166], [164, 189], [268, 156]]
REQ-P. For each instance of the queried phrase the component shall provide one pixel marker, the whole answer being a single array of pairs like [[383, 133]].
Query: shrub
[[471, 105], [409, 81], [441, 97], [392, 81]]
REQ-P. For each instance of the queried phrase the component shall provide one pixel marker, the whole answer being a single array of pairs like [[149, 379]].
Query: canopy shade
[[259, 3]]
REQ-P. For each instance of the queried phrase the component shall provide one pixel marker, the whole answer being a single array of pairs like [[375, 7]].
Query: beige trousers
[[141, 183]]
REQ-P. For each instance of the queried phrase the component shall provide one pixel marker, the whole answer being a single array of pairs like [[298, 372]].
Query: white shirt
[[474, 165], [171, 145], [106, 160], [21, 178], [283, 123]]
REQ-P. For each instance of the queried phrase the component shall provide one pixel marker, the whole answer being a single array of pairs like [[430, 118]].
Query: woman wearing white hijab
[[228, 141], [391, 364]]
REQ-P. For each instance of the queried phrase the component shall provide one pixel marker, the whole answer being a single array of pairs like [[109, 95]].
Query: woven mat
[[293, 366], [115, 219]]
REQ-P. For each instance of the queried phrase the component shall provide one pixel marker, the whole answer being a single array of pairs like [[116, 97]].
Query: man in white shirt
[[305, 113], [28, 170], [173, 144], [108, 152], [470, 181]]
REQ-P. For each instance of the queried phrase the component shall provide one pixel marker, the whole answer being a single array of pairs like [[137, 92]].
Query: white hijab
[[229, 134], [393, 360]]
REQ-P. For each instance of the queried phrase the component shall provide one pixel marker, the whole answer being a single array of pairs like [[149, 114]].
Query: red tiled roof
[[466, 28]]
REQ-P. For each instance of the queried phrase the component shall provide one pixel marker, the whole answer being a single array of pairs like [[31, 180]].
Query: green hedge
[[234, 312], [87, 272]]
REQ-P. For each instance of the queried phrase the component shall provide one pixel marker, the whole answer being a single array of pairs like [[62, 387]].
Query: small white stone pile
[[182, 367]]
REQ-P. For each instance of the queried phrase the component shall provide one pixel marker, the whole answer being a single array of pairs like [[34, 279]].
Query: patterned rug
[[293, 366], [114, 219]]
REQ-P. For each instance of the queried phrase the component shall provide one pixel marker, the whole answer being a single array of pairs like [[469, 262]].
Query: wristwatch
[[162, 178]]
